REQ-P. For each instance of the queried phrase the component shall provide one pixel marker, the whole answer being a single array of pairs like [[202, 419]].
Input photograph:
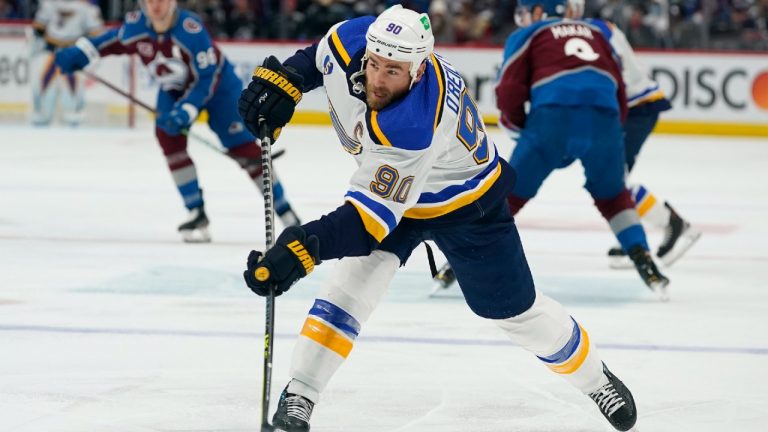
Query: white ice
[[108, 322]]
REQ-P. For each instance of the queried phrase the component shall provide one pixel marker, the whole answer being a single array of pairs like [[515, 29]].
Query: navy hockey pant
[[486, 254]]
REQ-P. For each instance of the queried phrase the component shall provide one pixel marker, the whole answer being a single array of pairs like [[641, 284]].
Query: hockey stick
[[269, 218], [186, 132]]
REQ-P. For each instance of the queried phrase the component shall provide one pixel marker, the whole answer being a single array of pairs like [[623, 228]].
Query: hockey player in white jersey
[[645, 101], [58, 24], [426, 171]]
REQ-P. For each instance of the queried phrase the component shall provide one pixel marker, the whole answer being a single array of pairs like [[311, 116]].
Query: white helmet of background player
[[402, 35]]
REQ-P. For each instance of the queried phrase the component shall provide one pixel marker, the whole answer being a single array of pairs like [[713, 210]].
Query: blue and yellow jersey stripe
[[347, 39], [410, 123], [570, 358], [435, 204], [378, 220], [644, 201], [649, 95], [440, 78], [331, 327]]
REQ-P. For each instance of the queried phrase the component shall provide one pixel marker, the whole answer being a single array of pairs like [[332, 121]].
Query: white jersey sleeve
[[64, 21], [639, 85]]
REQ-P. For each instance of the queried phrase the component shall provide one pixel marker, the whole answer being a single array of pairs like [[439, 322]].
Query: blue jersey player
[[426, 171], [193, 75], [565, 69], [645, 101]]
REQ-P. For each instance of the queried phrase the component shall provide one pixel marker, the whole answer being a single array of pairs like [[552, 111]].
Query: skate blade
[[686, 240], [661, 289], [620, 262], [437, 287], [199, 235]]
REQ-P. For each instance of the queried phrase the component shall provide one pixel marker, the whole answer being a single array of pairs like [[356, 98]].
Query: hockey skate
[[615, 402], [443, 280], [650, 274], [195, 229], [679, 236], [618, 259], [293, 412]]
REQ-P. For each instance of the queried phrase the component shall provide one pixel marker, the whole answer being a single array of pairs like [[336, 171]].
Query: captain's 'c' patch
[[192, 26]]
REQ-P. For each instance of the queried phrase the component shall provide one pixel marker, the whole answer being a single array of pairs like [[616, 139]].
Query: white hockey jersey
[[425, 156], [62, 22], [640, 87]]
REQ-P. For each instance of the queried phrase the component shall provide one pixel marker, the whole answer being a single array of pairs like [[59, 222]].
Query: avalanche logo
[[235, 128], [170, 72], [760, 90], [192, 26], [327, 65]]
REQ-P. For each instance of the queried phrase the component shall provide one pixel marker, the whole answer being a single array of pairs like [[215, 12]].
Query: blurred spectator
[[661, 24], [9, 10], [472, 24]]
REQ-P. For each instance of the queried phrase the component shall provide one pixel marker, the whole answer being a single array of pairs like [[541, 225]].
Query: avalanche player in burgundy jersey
[[193, 75], [645, 101], [426, 171], [567, 71]]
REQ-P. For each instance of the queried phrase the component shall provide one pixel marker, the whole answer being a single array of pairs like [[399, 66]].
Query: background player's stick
[[186, 132], [269, 219]]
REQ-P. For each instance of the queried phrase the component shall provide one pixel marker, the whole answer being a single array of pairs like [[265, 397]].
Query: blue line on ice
[[381, 339]]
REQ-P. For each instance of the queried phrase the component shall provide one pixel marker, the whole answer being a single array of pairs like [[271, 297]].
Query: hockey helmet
[[528, 11], [402, 35]]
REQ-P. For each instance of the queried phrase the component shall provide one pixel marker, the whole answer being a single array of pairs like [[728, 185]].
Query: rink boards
[[711, 93]]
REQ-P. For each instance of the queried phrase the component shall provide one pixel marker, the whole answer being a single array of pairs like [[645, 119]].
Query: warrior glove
[[293, 256], [271, 97]]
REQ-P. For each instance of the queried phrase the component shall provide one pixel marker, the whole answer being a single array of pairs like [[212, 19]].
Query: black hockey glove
[[271, 96], [293, 256]]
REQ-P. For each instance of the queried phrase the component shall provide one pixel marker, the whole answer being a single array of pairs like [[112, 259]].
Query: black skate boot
[[679, 236], [444, 278], [650, 274], [618, 259], [615, 402], [293, 412], [195, 229]]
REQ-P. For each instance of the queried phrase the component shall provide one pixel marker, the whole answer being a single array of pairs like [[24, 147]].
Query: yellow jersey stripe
[[374, 227], [461, 201], [646, 205], [340, 48], [441, 85], [377, 130], [575, 362], [653, 97]]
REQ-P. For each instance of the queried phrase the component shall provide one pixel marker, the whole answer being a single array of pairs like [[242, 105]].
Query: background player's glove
[[293, 256], [178, 118], [71, 59], [271, 96]]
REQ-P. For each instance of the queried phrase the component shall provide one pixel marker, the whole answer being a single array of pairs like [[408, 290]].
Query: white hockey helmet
[[402, 35]]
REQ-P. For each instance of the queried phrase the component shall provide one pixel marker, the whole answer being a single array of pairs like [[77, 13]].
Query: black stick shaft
[[269, 219]]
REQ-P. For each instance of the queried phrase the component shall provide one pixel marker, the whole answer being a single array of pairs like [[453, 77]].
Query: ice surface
[[109, 323]]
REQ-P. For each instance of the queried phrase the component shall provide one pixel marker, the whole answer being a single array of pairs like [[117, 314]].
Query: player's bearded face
[[385, 81]]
